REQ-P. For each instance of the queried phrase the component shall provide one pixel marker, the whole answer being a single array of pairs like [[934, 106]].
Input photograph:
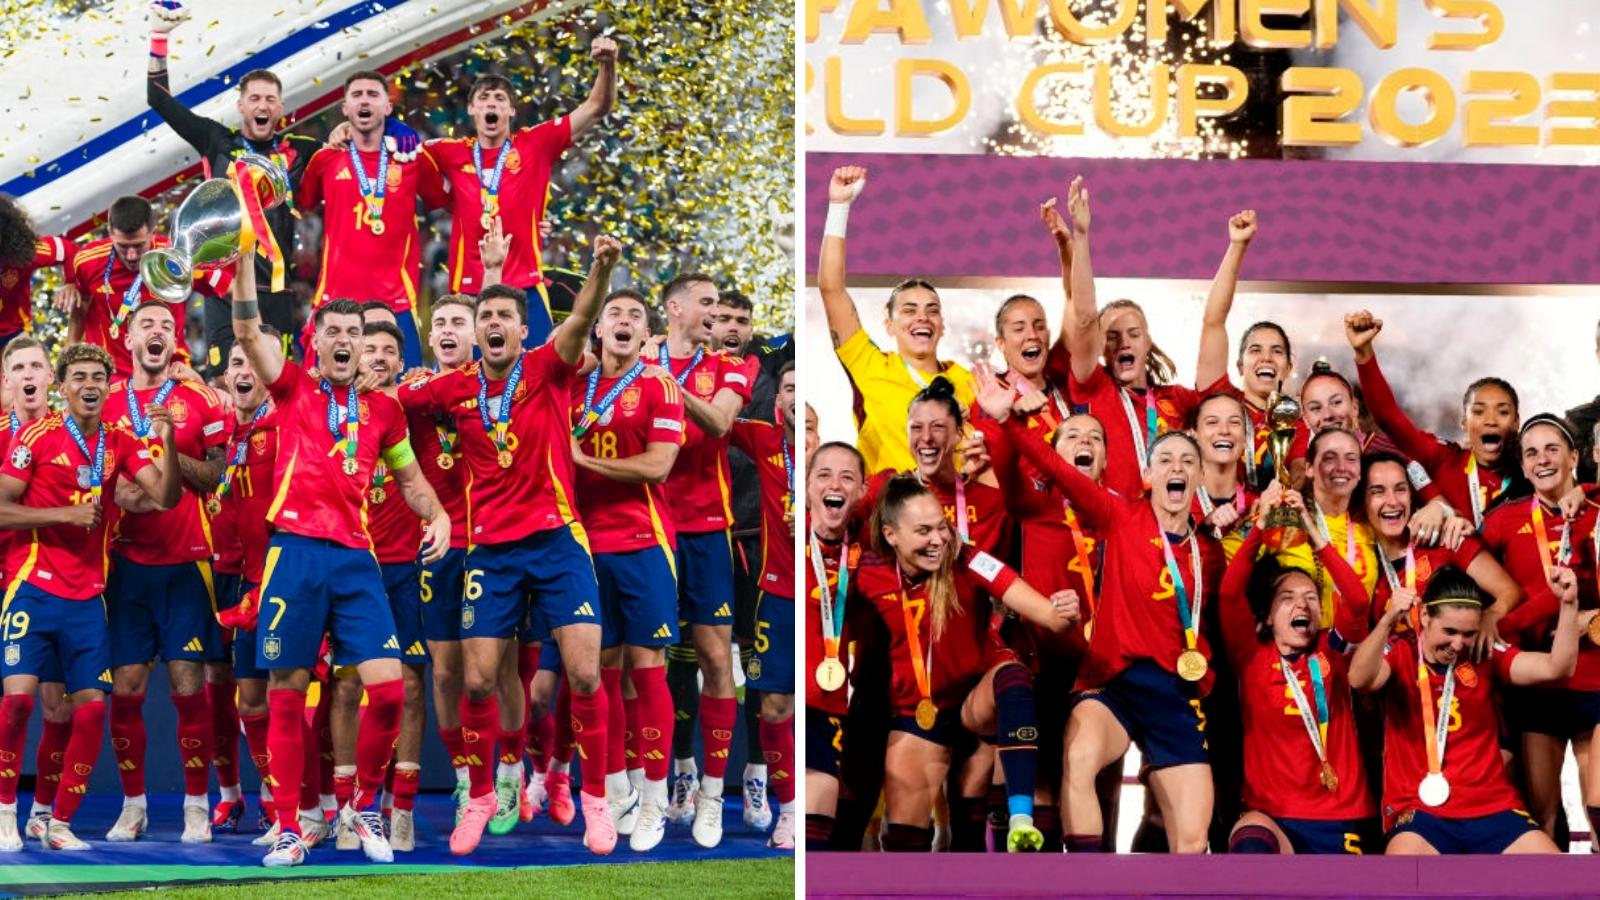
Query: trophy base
[[1284, 537]]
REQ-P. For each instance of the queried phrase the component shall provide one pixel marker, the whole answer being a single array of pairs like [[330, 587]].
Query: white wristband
[[838, 216]]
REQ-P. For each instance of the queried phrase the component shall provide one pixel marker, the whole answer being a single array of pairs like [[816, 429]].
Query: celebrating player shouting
[[321, 576], [52, 486], [511, 412]]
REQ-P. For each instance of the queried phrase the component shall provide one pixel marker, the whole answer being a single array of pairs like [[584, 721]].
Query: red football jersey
[[181, 534], [356, 263], [1478, 785], [536, 492], [105, 282], [1509, 533], [429, 433], [698, 489], [243, 522], [8, 436], [1446, 463], [16, 285], [836, 702], [1428, 560], [763, 442], [312, 495], [1102, 398], [963, 652], [988, 519], [66, 560], [1137, 615], [621, 517], [524, 186], [396, 530]]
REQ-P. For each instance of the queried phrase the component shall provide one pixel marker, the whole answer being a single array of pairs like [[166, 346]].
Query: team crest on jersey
[[514, 160], [1424, 570], [630, 400], [704, 382], [258, 442], [271, 648], [1467, 675], [21, 457], [9, 279], [179, 409], [394, 175], [13, 654]]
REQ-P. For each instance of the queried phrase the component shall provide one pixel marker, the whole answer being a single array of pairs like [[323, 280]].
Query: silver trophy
[[206, 229]]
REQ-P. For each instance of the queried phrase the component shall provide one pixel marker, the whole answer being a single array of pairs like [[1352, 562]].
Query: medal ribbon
[[788, 467], [1564, 554], [16, 423], [592, 413], [239, 451], [1435, 724], [918, 667], [832, 607], [1478, 498], [699, 354], [502, 423], [917, 377], [97, 459], [1316, 725], [1050, 412], [1188, 611], [380, 474], [1208, 506], [1141, 439], [352, 418], [1080, 546], [1349, 542], [130, 298], [372, 194], [253, 226], [489, 191], [1393, 576], [141, 422], [445, 426], [961, 507]]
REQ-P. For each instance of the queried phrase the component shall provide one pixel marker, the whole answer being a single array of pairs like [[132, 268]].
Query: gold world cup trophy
[[1285, 530]]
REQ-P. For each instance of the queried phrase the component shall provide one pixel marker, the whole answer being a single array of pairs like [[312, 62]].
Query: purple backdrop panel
[[1090, 877], [942, 216]]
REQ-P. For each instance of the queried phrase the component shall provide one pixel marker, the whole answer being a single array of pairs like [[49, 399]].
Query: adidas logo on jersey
[[723, 611], [194, 646], [584, 610], [665, 631], [344, 175], [392, 643], [61, 460]]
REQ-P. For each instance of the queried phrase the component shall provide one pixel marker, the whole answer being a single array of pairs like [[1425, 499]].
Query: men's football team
[[315, 547], [1325, 629]]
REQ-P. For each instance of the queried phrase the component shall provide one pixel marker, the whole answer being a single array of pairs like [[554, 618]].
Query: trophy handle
[[168, 274]]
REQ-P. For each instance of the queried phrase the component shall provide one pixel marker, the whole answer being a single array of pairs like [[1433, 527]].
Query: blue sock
[[1018, 736]]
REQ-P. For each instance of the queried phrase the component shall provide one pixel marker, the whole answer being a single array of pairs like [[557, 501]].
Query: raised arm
[[843, 188], [603, 96], [1055, 613], [1562, 659], [1080, 329], [1360, 329], [264, 353], [1234, 614], [1212, 364], [1369, 669], [574, 333], [1094, 504], [1507, 594], [196, 130]]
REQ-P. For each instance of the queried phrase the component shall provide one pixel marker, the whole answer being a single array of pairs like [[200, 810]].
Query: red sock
[[51, 756], [616, 722], [15, 710], [561, 729], [83, 748], [194, 742], [224, 733], [589, 721], [480, 725], [455, 745], [717, 715], [655, 721], [344, 787], [527, 663], [633, 744], [541, 734], [255, 737], [375, 742], [311, 769], [777, 747], [406, 784], [512, 744], [127, 742], [286, 743]]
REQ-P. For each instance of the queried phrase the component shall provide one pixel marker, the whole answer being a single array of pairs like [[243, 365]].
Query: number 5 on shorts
[[761, 637]]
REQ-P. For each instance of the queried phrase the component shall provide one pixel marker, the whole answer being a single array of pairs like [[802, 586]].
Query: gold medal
[[1329, 780], [349, 465], [505, 459], [445, 460], [115, 331], [376, 225], [1594, 629], [927, 715], [1191, 665], [487, 221], [213, 506], [830, 674], [378, 495]]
